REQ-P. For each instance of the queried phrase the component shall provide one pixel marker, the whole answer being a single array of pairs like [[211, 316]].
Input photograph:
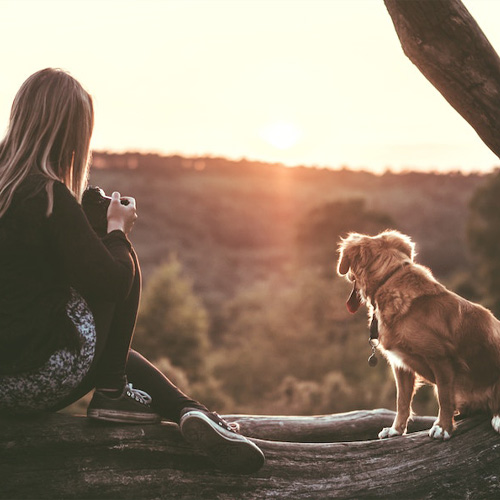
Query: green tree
[[483, 231], [290, 346], [172, 321]]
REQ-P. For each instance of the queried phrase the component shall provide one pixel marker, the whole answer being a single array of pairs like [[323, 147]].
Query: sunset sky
[[311, 82]]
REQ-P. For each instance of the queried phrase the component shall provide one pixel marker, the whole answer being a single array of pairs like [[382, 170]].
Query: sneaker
[[131, 407], [229, 451]]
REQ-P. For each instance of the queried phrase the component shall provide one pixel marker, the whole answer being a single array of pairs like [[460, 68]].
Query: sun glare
[[281, 134]]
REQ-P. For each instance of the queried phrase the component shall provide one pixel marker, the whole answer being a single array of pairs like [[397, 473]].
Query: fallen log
[[61, 456], [361, 425]]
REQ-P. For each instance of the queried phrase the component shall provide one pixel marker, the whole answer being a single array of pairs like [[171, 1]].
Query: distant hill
[[233, 222]]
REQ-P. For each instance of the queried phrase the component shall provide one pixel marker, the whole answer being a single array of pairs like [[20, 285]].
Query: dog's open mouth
[[354, 300]]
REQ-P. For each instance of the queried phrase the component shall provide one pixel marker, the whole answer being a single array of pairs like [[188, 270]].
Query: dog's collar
[[386, 278], [374, 322]]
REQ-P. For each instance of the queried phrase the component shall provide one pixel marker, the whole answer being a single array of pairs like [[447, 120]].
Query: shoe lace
[[230, 426], [138, 395], [234, 426]]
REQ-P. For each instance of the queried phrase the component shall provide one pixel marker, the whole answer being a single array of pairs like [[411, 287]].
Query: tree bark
[[61, 456], [446, 44]]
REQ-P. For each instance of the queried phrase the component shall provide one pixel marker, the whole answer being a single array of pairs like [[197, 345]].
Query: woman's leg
[[112, 365], [168, 400], [114, 324], [115, 362], [118, 321]]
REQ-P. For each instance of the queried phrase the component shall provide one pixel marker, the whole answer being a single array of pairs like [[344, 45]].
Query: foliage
[[233, 223], [172, 321], [320, 230], [484, 237], [258, 326], [291, 345]]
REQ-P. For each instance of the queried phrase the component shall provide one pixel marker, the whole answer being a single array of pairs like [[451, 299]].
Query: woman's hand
[[120, 216]]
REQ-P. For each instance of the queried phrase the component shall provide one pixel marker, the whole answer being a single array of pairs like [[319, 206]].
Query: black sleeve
[[99, 268]]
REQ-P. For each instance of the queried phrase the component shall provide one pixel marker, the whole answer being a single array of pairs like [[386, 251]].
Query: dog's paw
[[495, 423], [388, 432], [437, 432]]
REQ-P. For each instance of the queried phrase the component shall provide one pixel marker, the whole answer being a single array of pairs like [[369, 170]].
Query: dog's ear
[[344, 264], [347, 250]]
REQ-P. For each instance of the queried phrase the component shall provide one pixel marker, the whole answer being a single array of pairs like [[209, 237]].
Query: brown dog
[[425, 331]]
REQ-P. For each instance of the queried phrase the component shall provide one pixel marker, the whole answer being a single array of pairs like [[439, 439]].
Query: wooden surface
[[61, 456], [446, 44]]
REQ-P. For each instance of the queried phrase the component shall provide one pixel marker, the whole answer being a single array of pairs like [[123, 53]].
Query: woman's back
[[41, 257], [33, 291]]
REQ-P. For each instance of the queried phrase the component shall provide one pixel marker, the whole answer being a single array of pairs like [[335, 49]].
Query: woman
[[69, 298]]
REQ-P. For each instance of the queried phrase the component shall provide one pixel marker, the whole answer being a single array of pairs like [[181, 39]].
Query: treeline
[[250, 213], [242, 305]]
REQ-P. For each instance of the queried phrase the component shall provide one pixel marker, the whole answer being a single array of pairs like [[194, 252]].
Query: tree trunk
[[61, 456], [446, 44]]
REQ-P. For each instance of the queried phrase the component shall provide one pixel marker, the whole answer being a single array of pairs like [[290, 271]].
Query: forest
[[242, 306]]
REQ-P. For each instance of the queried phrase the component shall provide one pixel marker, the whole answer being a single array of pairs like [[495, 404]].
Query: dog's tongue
[[354, 300]]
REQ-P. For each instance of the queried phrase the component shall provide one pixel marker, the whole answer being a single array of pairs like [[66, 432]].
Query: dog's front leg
[[443, 427], [405, 385]]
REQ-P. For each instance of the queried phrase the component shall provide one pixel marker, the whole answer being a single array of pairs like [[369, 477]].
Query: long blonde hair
[[49, 133]]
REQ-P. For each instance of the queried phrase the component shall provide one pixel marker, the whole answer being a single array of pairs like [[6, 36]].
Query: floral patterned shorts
[[40, 389]]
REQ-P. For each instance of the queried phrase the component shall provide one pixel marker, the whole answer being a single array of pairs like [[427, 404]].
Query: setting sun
[[281, 134]]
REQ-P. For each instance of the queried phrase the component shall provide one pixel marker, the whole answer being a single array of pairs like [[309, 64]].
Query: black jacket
[[40, 259]]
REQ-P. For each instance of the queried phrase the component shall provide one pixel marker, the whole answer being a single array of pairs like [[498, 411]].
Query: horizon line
[[344, 167]]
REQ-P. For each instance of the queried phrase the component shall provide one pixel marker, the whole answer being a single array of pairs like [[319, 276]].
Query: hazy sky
[[313, 82]]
